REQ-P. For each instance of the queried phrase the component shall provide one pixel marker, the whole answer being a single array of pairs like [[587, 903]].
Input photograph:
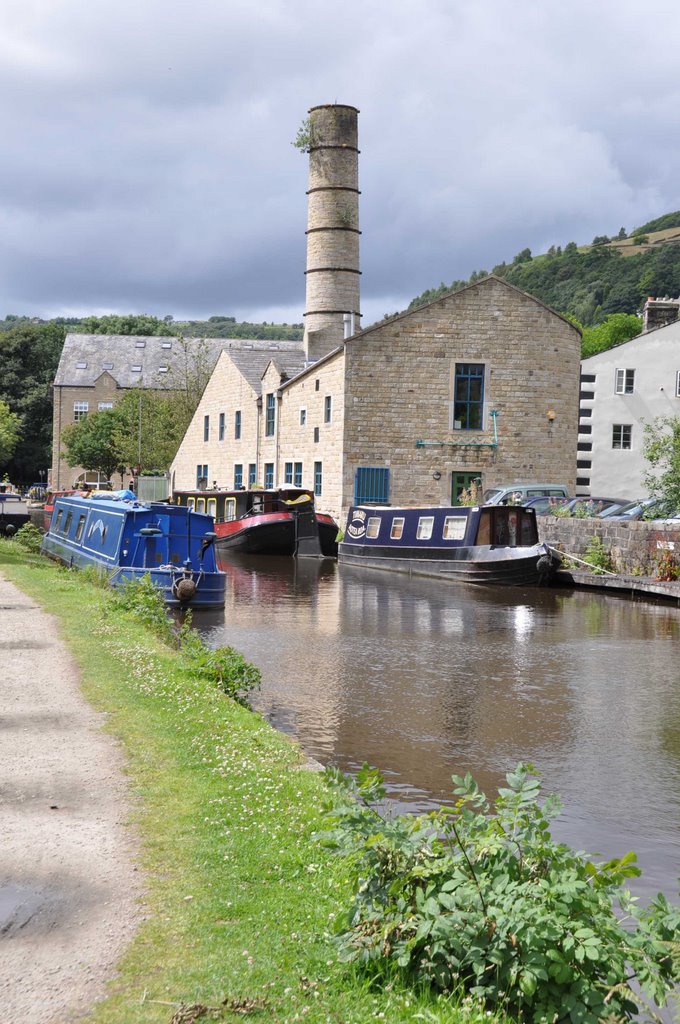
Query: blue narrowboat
[[128, 539], [473, 544]]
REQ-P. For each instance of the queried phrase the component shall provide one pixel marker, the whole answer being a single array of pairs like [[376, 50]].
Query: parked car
[[646, 509], [585, 507], [545, 505], [519, 494]]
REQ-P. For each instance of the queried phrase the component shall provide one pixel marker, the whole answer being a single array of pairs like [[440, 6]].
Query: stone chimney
[[332, 293], [659, 312]]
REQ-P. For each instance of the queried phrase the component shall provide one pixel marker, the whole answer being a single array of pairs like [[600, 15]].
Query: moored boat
[[280, 521], [127, 539], [14, 513], [472, 544]]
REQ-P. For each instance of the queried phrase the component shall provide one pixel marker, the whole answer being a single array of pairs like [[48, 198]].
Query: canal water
[[424, 679]]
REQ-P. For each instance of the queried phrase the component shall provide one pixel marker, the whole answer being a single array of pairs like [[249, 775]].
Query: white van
[[517, 494]]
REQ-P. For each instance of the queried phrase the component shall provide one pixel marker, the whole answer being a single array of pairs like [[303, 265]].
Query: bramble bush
[[480, 898]]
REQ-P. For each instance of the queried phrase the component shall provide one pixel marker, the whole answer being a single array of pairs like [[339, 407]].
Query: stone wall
[[104, 391], [309, 393], [634, 547], [226, 392]]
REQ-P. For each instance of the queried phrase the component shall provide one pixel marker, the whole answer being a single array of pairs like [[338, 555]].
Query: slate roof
[[86, 356], [253, 363]]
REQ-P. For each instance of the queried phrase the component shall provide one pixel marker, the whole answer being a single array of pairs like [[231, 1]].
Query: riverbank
[[239, 894]]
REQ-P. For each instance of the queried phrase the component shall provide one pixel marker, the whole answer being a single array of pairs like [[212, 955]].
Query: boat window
[[212, 507], [229, 509], [80, 527], [397, 528], [69, 517], [373, 527], [528, 530], [454, 527], [60, 514], [191, 503], [424, 531], [484, 528], [174, 558], [200, 504]]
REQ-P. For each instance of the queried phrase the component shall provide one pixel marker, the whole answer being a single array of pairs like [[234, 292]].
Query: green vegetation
[[482, 896], [304, 138], [598, 557], [668, 220], [592, 282], [9, 432], [661, 449], [29, 355], [239, 895]]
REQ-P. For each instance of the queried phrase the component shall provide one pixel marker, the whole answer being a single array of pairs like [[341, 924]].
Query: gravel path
[[69, 892]]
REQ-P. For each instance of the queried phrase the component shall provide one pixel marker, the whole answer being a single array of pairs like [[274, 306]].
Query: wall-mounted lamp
[[550, 414], [436, 475]]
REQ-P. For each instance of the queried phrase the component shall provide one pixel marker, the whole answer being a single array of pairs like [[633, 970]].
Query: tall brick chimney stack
[[332, 293]]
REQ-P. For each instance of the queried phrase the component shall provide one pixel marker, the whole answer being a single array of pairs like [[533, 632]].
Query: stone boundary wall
[[634, 547]]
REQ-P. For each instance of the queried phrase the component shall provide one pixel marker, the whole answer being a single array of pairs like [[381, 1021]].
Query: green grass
[[240, 896]]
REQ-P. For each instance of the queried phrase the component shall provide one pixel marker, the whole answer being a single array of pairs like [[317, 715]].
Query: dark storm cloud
[[147, 159]]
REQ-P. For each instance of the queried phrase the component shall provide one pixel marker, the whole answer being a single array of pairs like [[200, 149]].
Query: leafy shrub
[[482, 898], [145, 600], [29, 537], [222, 665], [667, 566], [598, 557]]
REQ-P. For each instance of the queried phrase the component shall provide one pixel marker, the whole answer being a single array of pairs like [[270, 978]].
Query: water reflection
[[425, 679]]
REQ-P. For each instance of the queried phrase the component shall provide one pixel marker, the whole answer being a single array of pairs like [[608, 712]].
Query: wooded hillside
[[612, 275]]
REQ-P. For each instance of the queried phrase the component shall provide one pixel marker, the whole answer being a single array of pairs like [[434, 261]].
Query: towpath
[[69, 891]]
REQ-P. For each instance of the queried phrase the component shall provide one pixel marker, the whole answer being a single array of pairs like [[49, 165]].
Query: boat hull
[[281, 521], [274, 534], [500, 567]]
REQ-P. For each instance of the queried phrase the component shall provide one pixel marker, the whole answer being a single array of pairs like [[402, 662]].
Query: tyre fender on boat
[[184, 589], [546, 566]]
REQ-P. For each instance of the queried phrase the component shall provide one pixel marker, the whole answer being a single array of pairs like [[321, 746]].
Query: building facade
[[480, 386], [623, 389], [95, 370]]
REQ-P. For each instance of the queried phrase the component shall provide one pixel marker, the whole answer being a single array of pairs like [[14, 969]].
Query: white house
[[622, 390]]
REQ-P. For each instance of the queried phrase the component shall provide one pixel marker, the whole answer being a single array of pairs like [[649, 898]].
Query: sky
[[147, 163]]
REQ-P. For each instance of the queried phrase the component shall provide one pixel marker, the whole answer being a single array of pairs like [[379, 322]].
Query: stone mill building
[[480, 385]]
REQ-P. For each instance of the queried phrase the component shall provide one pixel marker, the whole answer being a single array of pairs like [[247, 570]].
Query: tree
[[617, 328], [90, 443], [9, 432], [29, 356], [661, 449], [149, 428], [141, 324], [522, 257]]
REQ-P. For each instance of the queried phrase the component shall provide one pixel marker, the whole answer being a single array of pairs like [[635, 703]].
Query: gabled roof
[[253, 363], [449, 296], [85, 357]]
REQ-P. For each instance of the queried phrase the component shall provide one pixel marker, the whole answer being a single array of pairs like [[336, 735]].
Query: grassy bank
[[240, 896]]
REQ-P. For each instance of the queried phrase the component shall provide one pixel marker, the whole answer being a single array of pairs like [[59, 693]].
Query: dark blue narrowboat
[[127, 539], [472, 544]]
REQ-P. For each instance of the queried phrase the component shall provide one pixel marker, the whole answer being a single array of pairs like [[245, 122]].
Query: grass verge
[[240, 897]]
